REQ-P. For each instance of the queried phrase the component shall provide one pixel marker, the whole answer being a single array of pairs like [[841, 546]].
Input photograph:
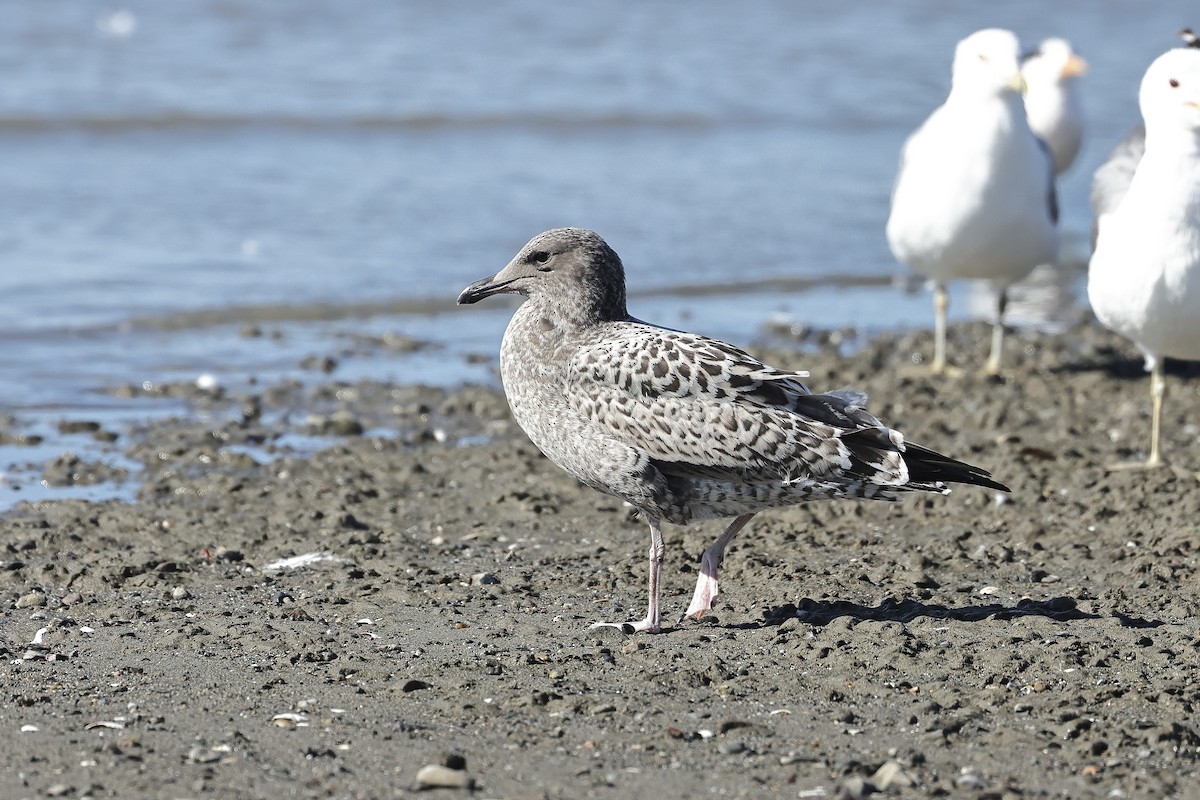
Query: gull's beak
[[481, 289], [1075, 67], [1017, 83]]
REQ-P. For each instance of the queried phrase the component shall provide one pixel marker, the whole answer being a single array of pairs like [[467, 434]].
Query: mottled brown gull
[[680, 426]]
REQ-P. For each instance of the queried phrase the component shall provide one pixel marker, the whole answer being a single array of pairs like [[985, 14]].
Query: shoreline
[[66, 418]]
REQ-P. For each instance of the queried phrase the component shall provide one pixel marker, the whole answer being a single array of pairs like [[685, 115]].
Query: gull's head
[[987, 61], [1170, 93], [1054, 61], [571, 268]]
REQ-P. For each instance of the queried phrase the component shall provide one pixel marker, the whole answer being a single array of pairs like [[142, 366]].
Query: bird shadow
[[1124, 367], [823, 612]]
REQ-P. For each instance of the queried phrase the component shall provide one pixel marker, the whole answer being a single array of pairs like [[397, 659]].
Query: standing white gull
[[1052, 103], [1144, 276], [974, 197], [1111, 180], [680, 426]]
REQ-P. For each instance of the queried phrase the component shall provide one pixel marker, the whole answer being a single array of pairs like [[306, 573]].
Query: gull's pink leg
[[706, 584], [653, 616]]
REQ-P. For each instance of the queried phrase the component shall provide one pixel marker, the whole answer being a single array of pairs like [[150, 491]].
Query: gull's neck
[[1172, 141]]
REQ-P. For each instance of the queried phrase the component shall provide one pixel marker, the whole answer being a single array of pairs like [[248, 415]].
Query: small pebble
[[970, 781], [730, 747], [892, 773], [344, 423], [31, 600], [854, 788], [289, 720], [203, 755], [435, 776], [180, 593], [104, 723]]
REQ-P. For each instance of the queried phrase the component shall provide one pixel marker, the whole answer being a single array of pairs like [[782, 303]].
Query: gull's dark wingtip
[[930, 466]]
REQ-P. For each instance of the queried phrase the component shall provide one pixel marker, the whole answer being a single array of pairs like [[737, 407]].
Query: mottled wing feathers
[[703, 409], [648, 361]]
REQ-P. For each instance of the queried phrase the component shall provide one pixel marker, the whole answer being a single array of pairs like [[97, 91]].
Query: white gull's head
[[1053, 62], [1170, 94], [987, 61]]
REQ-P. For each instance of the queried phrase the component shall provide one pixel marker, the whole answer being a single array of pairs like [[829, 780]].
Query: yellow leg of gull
[[1158, 390], [992, 366], [941, 302]]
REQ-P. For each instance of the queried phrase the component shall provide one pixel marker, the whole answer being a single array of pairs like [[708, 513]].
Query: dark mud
[[266, 621]]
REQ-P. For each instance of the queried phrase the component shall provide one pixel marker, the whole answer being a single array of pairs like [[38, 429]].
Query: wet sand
[[442, 578]]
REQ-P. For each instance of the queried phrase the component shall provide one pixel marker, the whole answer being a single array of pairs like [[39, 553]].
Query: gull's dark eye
[[540, 257], [1174, 83]]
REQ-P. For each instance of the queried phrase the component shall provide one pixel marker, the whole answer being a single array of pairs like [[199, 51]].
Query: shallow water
[[177, 171]]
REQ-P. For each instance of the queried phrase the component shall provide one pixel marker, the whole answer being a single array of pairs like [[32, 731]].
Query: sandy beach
[[264, 624]]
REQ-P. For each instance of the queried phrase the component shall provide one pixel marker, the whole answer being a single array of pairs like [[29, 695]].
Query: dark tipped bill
[[481, 289]]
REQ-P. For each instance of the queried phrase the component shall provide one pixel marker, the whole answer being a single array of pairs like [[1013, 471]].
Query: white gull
[[1052, 102], [1144, 276], [974, 197]]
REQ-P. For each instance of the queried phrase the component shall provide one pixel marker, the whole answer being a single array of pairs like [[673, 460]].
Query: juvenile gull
[[974, 196], [680, 426], [1052, 103], [1144, 276]]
